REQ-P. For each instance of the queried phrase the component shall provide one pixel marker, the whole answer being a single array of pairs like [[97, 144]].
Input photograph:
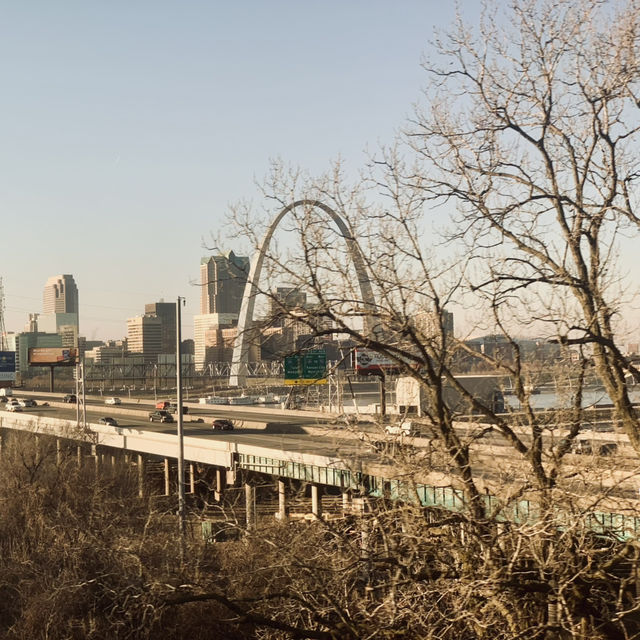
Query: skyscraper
[[60, 309], [60, 295], [223, 278]]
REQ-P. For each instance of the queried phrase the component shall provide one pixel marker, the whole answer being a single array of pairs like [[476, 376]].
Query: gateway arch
[[241, 347]]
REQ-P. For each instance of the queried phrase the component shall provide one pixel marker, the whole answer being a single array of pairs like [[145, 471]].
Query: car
[[404, 428], [222, 424], [3, 399], [71, 398], [27, 402], [113, 401], [13, 407], [173, 407], [108, 420], [160, 416], [591, 447]]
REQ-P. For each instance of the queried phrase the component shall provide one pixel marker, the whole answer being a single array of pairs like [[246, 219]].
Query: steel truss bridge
[[164, 374]]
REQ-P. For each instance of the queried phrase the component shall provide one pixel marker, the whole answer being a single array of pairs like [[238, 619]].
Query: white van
[[6, 392]]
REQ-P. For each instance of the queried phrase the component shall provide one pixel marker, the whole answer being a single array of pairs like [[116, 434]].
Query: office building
[[59, 309], [222, 280], [284, 300], [144, 336], [205, 325], [60, 295], [166, 312]]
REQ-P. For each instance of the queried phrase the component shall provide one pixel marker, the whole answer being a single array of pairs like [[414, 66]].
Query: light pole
[[181, 515]]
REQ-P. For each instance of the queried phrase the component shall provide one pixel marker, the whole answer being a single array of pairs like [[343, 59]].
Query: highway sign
[[307, 368]]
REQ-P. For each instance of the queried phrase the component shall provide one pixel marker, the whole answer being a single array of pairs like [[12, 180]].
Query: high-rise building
[[60, 309], [285, 299], [60, 295], [223, 278], [204, 324], [144, 335], [166, 311]]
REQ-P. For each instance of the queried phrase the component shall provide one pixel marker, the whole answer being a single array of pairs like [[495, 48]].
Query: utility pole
[[181, 506], [3, 332]]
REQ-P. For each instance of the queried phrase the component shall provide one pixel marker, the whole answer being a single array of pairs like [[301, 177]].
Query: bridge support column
[[250, 503], [316, 501], [95, 452], [79, 455], [140, 475], [58, 452], [220, 483], [167, 478], [283, 511], [192, 478], [346, 502]]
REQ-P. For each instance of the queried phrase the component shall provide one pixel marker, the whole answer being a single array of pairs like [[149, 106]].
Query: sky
[[128, 128]]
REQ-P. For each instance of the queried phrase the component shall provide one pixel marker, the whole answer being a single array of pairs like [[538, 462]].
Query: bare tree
[[528, 138], [531, 129]]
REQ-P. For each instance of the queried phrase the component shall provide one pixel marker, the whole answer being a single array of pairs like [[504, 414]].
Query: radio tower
[[3, 335]]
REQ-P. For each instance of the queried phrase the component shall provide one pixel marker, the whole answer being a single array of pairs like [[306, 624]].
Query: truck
[[171, 407], [412, 397], [6, 392]]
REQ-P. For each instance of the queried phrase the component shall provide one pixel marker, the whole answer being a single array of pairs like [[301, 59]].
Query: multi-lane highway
[[257, 426], [325, 435]]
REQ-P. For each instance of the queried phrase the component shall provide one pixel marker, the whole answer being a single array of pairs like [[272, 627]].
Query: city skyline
[[128, 130]]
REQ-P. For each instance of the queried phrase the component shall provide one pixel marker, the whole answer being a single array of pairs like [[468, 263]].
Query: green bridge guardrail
[[621, 526]]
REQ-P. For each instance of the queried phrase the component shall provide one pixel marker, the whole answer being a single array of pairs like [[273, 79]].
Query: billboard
[[7, 365], [52, 356], [369, 361]]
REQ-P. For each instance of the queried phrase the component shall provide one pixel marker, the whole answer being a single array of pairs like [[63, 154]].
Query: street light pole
[[181, 500]]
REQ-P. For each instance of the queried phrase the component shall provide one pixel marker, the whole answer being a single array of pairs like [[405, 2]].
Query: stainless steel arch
[[241, 346]]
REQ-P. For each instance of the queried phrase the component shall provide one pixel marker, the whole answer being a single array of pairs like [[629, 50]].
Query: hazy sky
[[127, 128]]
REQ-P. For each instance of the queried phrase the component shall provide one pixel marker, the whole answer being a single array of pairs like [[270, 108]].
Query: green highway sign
[[307, 368]]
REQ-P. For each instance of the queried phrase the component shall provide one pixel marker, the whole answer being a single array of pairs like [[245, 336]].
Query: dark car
[[590, 447], [222, 424], [173, 408], [107, 420], [70, 397], [160, 416]]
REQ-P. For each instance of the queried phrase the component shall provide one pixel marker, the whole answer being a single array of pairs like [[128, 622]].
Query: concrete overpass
[[349, 469]]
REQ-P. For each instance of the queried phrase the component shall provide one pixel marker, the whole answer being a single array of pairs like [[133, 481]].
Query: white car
[[113, 401], [10, 406], [401, 429]]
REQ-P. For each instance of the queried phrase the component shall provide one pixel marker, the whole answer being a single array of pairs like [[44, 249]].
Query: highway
[[314, 434], [256, 426]]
